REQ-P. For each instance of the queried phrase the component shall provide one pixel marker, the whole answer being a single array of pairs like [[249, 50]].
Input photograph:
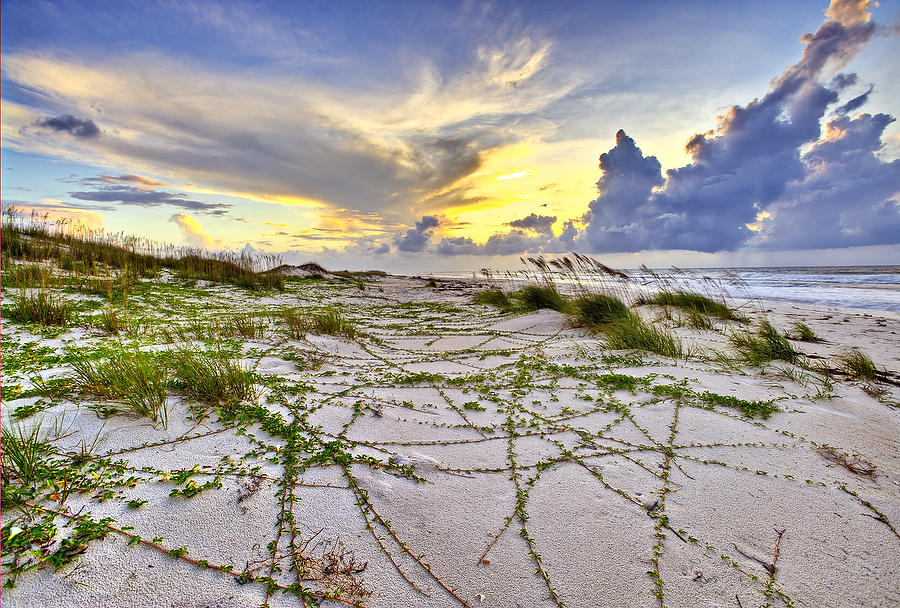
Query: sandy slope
[[569, 481]]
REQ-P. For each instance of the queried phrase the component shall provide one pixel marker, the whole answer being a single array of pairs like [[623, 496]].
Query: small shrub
[[804, 333], [858, 365], [212, 379], [133, 378], [598, 309], [537, 297], [42, 307]]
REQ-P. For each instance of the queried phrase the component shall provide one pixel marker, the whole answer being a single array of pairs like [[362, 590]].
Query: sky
[[433, 136]]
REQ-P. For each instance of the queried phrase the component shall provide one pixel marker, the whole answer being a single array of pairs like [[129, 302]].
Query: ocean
[[868, 287]]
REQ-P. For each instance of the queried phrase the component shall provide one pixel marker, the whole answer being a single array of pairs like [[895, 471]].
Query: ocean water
[[869, 287]]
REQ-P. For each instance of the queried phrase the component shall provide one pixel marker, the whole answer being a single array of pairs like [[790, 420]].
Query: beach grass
[[595, 310], [633, 333], [133, 378], [23, 452], [332, 322], [212, 378], [538, 297], [858, 364], [42, 307], [804, 333], [693, 302], [766, 344]]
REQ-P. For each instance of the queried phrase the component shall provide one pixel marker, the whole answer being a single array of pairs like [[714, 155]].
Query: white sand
[[732, 482]]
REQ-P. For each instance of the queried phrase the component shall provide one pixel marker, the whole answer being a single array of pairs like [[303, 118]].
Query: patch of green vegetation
[[494, 297], [750, 409], [598, 309], [538, 297], [804, 333], [767, 344], [633, 333], [41, 307], [133, 378], [23, 452], [211, 378], [858, 364], [331, 321], [692, 302]]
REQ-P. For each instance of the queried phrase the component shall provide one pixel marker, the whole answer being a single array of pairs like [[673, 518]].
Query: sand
[[525, 472]]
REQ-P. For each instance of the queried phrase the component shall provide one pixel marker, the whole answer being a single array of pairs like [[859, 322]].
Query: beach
[[433, 451]]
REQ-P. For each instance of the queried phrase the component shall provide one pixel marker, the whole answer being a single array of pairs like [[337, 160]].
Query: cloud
[[139, 180], [415, 239], [538, 223], [855, 103], [76, 127], [850, 12], [751, 163], [848, 198], [144, 197], [193, 233]]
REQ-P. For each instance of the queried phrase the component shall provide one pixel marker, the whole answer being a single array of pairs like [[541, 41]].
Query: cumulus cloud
[[753, 163], [76, 127], [538, 223], [145, 197], [415, 239], [193, 233]]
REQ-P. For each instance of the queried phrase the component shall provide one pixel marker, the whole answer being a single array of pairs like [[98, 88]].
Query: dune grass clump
[[804, 333], [42, 307], [598, 309], [633, 333], [494, 297], [22, 454], [692, 302], [24, 275], [296, 323], [112, 322], [858, 365], [245, 326], [332, 322], [212, 379], [134, 378], [536, 297], [767, 344]]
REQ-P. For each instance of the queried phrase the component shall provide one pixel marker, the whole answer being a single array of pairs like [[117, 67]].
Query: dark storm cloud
[[849, 198], [415, 239], [76, 127], [538, 223], [750, 163], [855, 103], [142, 197]]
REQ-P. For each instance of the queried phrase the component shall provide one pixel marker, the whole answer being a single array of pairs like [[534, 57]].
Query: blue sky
[[439, 135]]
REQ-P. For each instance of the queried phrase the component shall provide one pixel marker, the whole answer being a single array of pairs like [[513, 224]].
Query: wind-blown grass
[[296, 323], [42, 307], [691, 302], [134, 378], [633, 333], [858, 365], [536, 297], [494, 297], [804, 333], [598, 309], [765, 345]]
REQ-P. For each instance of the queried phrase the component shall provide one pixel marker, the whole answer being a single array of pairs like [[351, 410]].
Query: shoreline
[[517, 455]]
